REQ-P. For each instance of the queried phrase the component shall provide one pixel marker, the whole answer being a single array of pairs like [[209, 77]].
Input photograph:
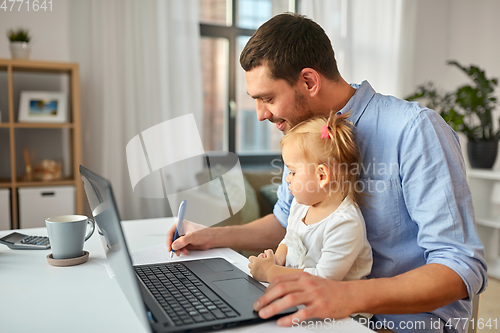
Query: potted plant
[[468, 109], [19, 43]]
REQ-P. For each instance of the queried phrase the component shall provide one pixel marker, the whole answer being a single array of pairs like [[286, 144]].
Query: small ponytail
[[332, 142]]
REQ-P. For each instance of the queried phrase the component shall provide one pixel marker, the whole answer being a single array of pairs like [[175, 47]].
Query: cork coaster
[[68, 262]]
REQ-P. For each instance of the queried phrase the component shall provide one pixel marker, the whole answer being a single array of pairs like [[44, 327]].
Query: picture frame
[[43, 107]]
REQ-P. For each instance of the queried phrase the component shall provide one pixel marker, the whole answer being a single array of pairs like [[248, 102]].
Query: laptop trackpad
[[218, 265], [236, 288]]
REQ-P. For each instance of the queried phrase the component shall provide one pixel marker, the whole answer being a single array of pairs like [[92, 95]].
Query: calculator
[[17, 241]]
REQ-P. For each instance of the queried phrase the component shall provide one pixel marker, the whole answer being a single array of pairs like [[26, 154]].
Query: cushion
[[270, 193]]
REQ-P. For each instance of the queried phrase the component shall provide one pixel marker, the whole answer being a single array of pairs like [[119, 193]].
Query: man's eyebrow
[[256, 96]]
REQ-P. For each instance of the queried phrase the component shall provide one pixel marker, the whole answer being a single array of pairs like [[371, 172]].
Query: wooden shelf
[[492, 223], [37, 125], [482, 184], [37, 66], [483, 174], [45, 183], [70, 70], [494, 268], [43, 125]]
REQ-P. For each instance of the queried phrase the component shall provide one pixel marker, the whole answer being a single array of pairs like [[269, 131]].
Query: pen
[[182, 211]]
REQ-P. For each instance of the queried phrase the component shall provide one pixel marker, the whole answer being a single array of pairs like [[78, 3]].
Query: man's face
[[276, 100]]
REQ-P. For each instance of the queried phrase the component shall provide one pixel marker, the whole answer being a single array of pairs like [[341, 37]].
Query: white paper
[[272, 326], [157, 254], [346, 325]]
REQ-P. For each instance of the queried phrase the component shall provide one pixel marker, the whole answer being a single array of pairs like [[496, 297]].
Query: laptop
[[196, 295]]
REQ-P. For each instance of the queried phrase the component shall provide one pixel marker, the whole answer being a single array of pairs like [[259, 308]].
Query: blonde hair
[[339, 151]]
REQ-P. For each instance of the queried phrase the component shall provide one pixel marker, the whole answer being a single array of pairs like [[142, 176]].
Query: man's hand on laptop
[[196, 237], [322, 298]]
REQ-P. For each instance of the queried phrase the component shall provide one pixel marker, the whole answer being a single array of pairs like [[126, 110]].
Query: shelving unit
[[485, 189], [73, 126]]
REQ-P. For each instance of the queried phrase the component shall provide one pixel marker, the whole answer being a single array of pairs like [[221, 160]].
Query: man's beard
[[301, 112]]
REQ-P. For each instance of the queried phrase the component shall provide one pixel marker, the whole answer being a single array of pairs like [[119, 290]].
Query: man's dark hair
[[289, 43]]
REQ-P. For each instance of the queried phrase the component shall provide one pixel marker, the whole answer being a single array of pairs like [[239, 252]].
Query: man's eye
[[268, 100]]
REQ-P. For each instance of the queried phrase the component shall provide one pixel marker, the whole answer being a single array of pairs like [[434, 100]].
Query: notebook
[[196, 295]]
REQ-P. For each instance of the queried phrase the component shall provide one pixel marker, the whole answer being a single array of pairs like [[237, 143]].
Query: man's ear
[[323, 174], [311, 81]]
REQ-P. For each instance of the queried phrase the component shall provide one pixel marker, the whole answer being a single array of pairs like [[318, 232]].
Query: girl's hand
[[259, 266], [277, 260], [280, 256]]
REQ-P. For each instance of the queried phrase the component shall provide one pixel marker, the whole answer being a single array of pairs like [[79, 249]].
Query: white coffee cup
[[67, 235]]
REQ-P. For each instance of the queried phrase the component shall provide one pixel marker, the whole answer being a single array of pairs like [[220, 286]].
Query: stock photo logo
[[168, 161]]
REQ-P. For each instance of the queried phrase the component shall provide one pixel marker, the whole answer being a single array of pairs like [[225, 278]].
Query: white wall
[[431, 41], [462, 30], [465, 30], [49, 30], [474, 37]]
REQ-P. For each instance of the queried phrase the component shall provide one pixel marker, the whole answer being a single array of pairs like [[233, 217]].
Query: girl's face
[[303, 179]]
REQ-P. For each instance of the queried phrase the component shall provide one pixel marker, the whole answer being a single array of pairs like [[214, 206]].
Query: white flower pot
[[20, 50]]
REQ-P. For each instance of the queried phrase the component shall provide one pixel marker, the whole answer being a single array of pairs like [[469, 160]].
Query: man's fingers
[[181, 242], [183, 251], [283, 279], [275, 291], [189, 228], [291, 299], [294, 318], [170, 237]]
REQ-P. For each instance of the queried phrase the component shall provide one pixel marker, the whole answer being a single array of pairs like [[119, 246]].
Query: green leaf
[[469, 108], [19, 35]]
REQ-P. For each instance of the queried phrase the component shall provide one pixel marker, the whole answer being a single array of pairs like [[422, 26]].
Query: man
[[428, 259]]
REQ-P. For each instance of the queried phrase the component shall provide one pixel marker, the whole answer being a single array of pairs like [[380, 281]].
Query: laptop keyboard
[[183, 296]]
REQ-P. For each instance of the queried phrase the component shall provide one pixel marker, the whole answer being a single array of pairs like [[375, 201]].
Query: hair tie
[[325, 134]]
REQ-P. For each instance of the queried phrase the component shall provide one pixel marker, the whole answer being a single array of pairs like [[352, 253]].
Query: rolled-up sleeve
[[439, 200], [282, 207]]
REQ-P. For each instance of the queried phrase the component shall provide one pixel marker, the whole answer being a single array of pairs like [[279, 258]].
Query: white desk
[[37, 297]]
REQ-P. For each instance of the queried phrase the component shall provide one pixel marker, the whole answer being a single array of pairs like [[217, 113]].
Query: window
[[230, 121]]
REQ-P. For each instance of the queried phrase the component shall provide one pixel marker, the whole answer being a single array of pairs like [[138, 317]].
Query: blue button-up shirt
[[419, 203]]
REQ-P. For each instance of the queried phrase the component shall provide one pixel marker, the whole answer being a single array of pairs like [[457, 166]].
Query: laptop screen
[[105, 213]]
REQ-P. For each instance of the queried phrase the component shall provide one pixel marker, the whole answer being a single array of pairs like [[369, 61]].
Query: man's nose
[[262, 112]]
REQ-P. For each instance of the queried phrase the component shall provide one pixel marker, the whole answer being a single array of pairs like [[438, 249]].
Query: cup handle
[[91, 232]]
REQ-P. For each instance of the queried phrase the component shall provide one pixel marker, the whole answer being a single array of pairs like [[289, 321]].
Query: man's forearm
[[259, 235], [420, 290]]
